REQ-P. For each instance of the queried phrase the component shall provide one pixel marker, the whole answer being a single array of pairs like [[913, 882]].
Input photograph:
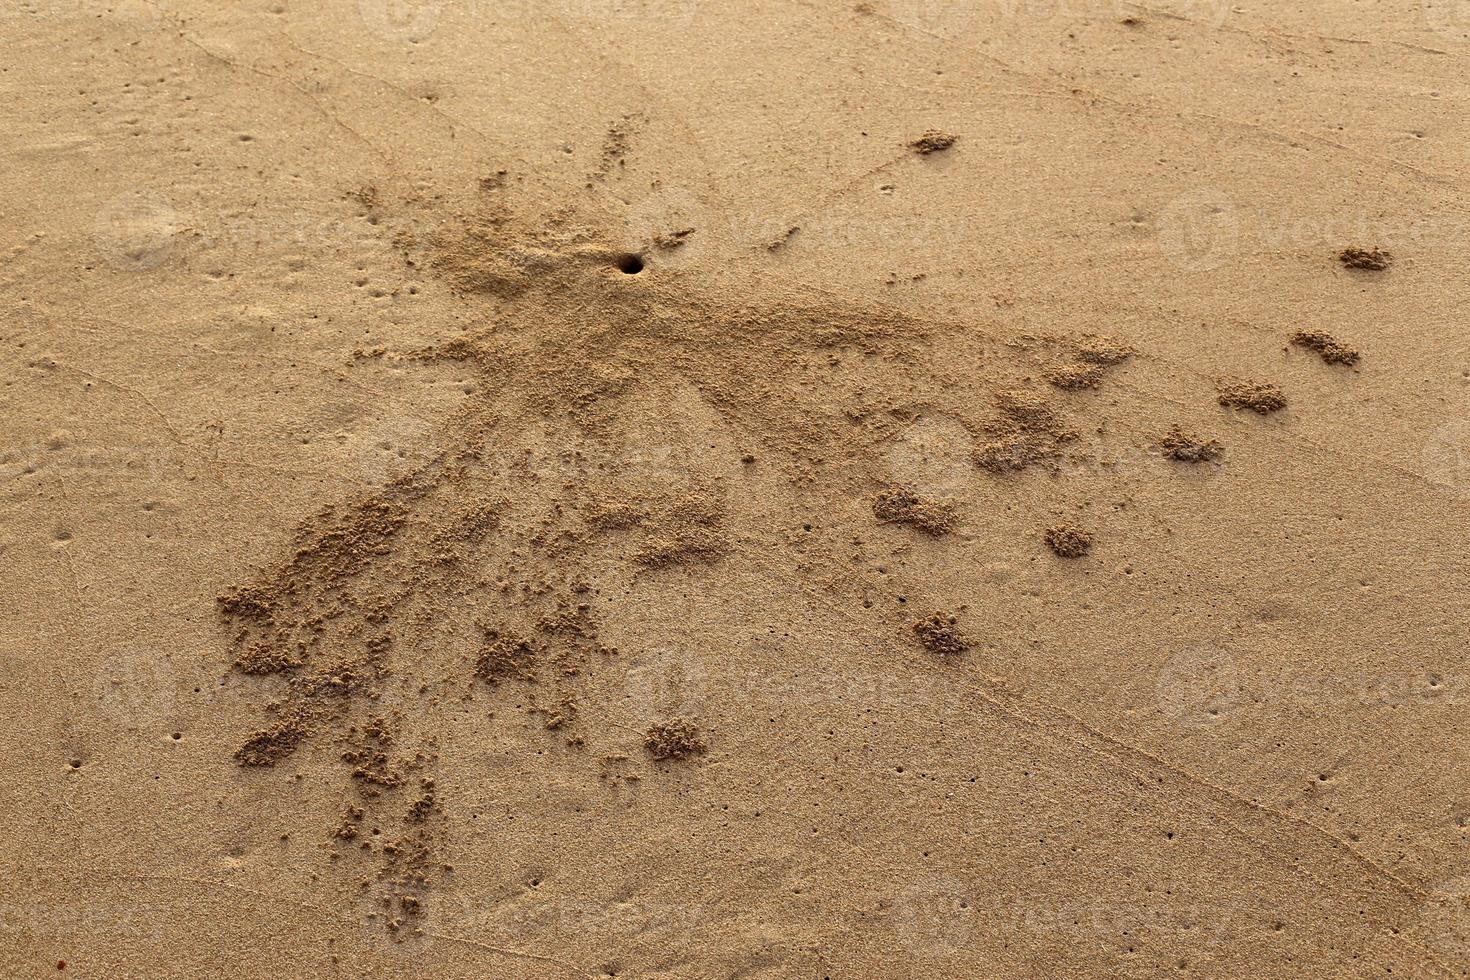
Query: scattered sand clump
[[1101, 350], [901, 505], [941, 635], [1026, 432], [1260, 397], [933, 141], [690, 531], [1369, 259], [1182, 447], [677, 738], [269, 746], [1068, 540], [505, 657], [1074, 377], [1333, 351]]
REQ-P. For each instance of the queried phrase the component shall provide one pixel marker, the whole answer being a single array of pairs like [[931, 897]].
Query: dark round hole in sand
[[629, 263]]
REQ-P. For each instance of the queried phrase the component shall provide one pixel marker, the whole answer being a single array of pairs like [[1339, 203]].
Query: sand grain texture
[[735, 490]]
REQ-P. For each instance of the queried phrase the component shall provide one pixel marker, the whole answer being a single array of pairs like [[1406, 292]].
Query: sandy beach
[[765, 489]]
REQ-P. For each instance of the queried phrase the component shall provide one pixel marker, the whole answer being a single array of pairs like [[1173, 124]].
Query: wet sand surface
[[660, 489]]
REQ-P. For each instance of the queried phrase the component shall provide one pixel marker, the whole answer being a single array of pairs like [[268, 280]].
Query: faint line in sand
[[272, 898]]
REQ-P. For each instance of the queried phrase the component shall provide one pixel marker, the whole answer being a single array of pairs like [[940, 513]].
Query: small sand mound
[[1184, 448], [1098, 349], [1258, 396], [1370, 259], [933, 142], [1068, 540], [941, 635], [1015, 452], [1091, 356], [262, 658], [673, 739], [1027, 431], [271, 745], [900, 505], [1333, 351], [1074, 377], [690, 530], [670, 240], [505, 657]]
